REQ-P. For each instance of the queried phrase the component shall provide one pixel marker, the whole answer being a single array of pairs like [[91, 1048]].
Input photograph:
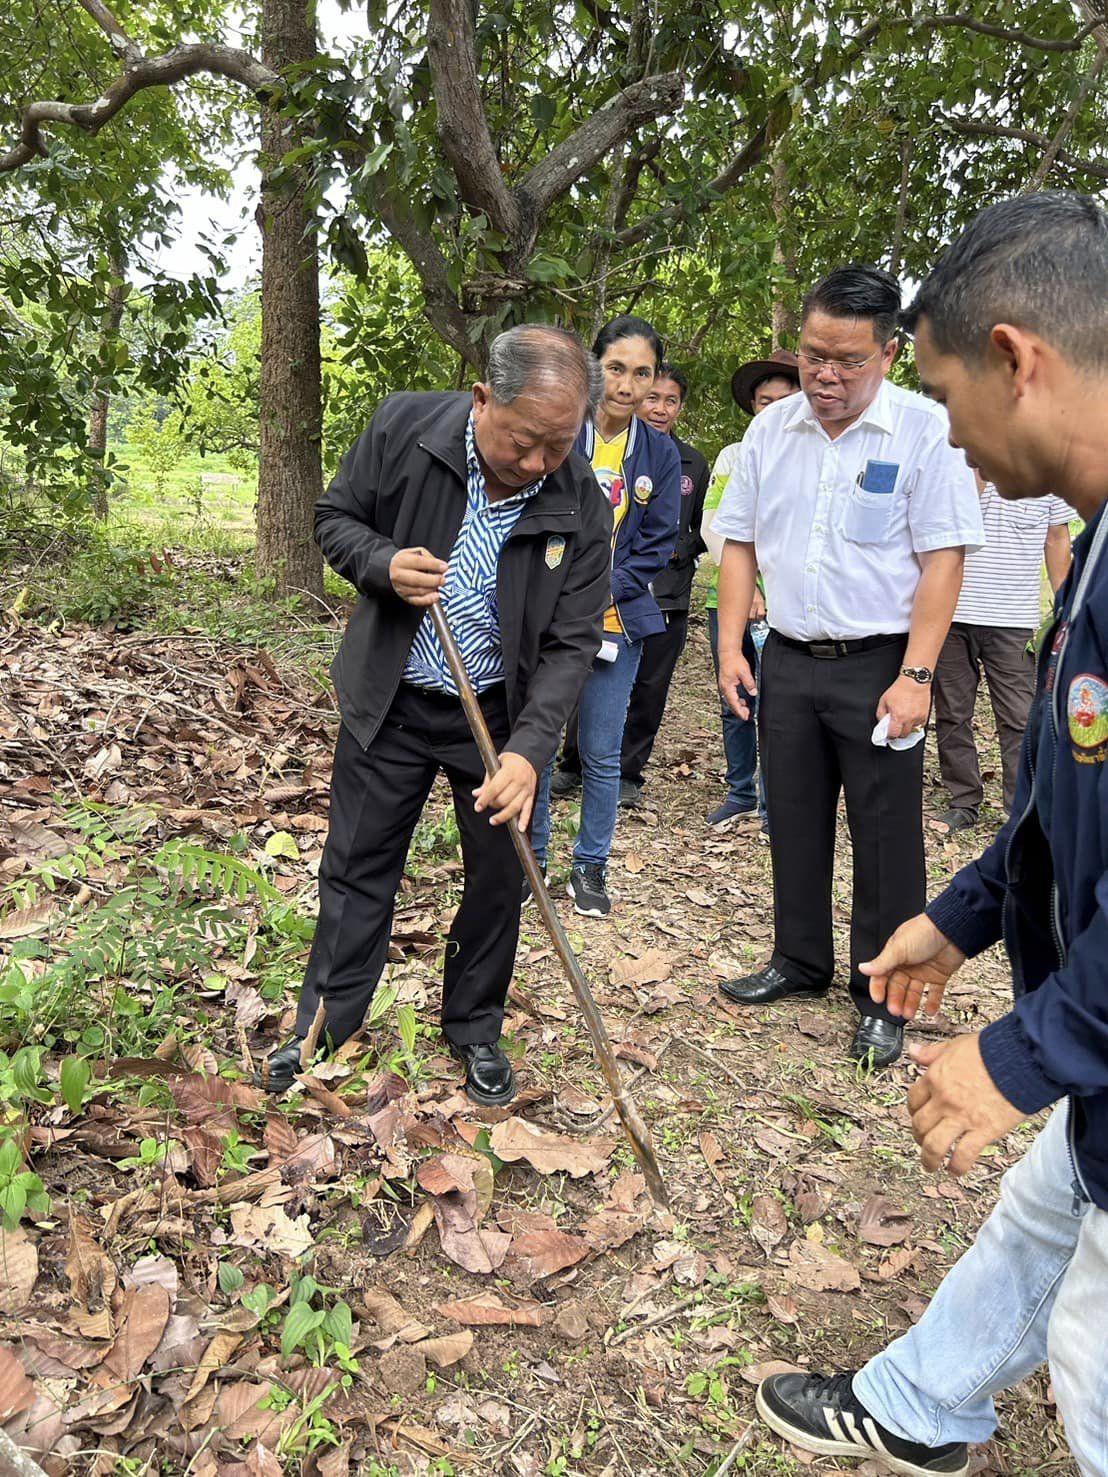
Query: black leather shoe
[[877, 1042], [281, 1067], [490, 1080], [767, 986]]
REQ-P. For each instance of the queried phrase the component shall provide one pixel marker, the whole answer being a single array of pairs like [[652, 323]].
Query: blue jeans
[[1032, 1288], [740, 735], [601, 715]]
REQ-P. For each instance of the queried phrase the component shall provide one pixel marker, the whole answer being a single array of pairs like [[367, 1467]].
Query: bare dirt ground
[[514, 1303]]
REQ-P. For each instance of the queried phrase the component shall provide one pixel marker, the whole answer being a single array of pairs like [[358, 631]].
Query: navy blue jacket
[[1043, 883], [646, 537]]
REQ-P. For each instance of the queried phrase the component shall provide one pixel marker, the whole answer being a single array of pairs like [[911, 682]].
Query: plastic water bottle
[[759, 630]]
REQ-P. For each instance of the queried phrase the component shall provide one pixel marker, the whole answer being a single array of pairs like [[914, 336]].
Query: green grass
[[201, 495]]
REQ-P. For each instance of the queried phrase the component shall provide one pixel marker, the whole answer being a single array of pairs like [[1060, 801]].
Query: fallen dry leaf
[[488, 1308], [144, 1319], [461, 1192], [768, 1223], [16, 1391], [814, 1267], [92, 1275], [540, 1253], [448, 1349], [393, 1321], [216, 1355], [882, 1224], [21, 923], [269, 1228], [549, 1153], [754, 1374], [18, 1270], [650, 968]]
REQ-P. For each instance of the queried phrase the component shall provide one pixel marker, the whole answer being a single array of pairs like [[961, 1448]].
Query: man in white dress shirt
[[856, 509]]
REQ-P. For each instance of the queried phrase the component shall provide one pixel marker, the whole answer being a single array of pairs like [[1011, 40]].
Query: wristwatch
[[922, 675]]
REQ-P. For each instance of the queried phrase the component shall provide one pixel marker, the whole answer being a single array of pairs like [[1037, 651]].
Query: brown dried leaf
[[650, 968], [540, 1253], [145, 1315], [754, 1374], [448, 1349], [280, 1137], [633, 862], [882, 1224], [783, 1308], [250, 1008], [18, 1270], [92, 1276], [394, 1322], [216, 1355], [16, 1390], [819, 1270], [768, 1224], [488, 1308], [21, 923], [549, 1153], [269, 1228]]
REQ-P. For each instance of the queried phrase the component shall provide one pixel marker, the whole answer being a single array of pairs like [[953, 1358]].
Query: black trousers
[[660, 655], [377, 796], [816, 718]]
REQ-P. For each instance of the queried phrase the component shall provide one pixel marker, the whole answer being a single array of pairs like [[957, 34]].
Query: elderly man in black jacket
[[476, 501]]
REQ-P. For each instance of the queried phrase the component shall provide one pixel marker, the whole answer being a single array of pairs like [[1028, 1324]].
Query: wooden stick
[[633, 1125]]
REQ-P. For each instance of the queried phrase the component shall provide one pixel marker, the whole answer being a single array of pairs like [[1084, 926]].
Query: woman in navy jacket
[[639, 472]]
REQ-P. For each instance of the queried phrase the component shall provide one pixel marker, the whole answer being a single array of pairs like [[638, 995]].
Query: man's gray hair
[[1039, 262], [532, 356]]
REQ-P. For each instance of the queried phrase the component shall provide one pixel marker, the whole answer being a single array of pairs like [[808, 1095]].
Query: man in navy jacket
[[1012, 334]]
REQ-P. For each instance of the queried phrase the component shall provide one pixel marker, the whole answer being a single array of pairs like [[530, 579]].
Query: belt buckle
[[824, 650]]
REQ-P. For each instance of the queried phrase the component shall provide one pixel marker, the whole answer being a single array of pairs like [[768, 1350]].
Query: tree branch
[[138, 74], [1040, 140], [461, 123], [587, 145], [1065, 128], [1002, 33]]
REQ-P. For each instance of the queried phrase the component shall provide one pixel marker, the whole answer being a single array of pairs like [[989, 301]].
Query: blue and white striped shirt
[[468, 597]]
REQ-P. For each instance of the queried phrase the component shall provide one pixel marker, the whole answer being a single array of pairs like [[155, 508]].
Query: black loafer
[[281, 1067], [490, 1080], [877, 1042], [765, 987]]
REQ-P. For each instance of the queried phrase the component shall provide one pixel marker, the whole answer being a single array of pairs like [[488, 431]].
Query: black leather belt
[[828, 650]]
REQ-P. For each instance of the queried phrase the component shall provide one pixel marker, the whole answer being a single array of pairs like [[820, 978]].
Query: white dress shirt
[[838, 525]]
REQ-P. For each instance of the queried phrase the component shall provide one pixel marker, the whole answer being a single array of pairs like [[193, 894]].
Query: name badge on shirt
[[879, 477]]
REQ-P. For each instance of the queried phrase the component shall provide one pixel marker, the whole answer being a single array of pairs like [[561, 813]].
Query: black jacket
[[404, 485], [673, 587]]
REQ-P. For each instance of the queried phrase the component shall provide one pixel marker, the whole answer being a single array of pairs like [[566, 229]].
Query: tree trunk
[[785, 320], [110, 320], [289, 470]]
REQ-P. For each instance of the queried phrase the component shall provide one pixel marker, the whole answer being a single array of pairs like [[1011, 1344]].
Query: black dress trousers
[[660, 655], [816, 718], [377, 796]]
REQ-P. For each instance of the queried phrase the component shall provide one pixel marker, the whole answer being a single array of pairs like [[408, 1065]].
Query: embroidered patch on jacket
[[1087, 712], [643, 488], [686, 486], [555, 549]]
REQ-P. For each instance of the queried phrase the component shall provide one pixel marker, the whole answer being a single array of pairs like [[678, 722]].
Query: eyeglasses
[[840, 366]]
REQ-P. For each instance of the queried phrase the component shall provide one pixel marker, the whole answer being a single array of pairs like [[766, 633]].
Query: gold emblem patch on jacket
[[555, 549], [644, 486]]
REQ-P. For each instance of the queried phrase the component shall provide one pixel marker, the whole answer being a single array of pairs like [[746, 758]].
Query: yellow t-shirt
[[607, 465]]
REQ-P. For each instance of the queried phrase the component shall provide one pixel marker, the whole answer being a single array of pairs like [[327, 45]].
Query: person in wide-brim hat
[[746, 379]]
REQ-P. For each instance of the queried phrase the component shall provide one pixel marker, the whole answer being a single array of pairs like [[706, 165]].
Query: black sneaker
[[823, 1415], [564, 782], [958, 819], [630, 794], [587, 889], [527, 896]]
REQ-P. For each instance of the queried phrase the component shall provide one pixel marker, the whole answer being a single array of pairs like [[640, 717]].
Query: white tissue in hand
[[880, 736]]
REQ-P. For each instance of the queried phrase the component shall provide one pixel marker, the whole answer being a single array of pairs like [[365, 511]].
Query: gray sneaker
[[958, 819]]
